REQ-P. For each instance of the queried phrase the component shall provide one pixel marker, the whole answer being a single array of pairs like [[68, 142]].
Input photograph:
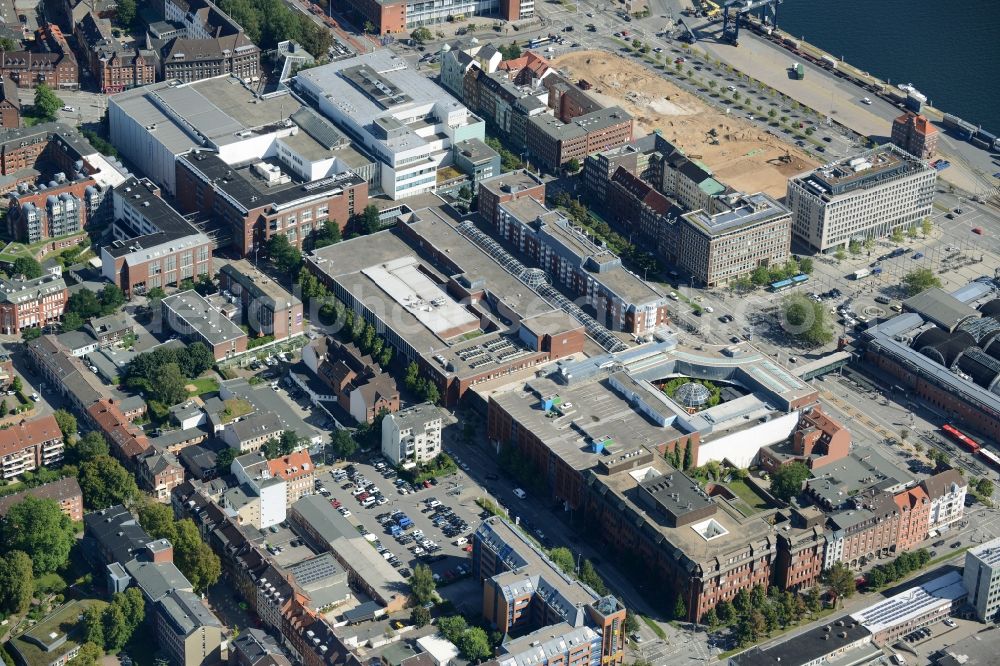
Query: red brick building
[[28, 445], [114, 66], [65, 492], [33, 303], [508, 187], [255, 212], [128, 442], [914, 514], [51, 62], [10, 106], [268, 308], [552, 143], [818, 440], [915, 134]]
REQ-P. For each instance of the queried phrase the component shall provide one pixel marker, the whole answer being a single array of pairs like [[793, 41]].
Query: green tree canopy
[[285, 256], [328, 234], [47, 103], [105, 482], [787, 480], [807, 320], [224, 460], [16, 582], [169, 385], [563, 558], [420, 616], [421, 35], [840, 581], [422, 585], [38, 528], [158, 520], [474, 644], [66, 421], [342, 445], [194, 557], [27, 267], [452, 627], [89, 447], [125, 13], [920, 280]]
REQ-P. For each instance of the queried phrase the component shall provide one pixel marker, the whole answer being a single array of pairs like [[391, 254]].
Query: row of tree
[[195, 559], [902, 566], [268, 22], [111, 626], [425, 389], [85, 304], [563, 558]]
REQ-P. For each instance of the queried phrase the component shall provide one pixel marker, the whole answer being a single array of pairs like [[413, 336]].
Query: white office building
[[867, 196], [982, 579], [402, 118], [412, 436], [256, 481]]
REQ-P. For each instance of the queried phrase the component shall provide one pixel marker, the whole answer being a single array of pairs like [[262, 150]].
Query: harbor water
[[949, 51]]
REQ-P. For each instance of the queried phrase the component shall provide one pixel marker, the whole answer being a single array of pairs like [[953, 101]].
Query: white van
[[898, 659], [520, 493], [461, 541]]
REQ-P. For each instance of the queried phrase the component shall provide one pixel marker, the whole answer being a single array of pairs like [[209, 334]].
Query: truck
[[861, 273], [798, 71]]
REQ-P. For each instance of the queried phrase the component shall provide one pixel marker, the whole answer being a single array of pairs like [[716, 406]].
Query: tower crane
[[733, 11]]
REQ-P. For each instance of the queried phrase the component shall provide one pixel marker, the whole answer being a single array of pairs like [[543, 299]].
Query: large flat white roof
[[403, 281], [912, 603]]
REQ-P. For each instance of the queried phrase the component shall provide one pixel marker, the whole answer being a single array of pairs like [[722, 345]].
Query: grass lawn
[[15, 249], [657, 629], [235, 409], [50, 582], [755, 502], [203, 385]]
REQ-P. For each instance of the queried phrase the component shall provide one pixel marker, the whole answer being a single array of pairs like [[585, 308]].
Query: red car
[[427, 484], [336, 504], [977, 230], [362, 497]]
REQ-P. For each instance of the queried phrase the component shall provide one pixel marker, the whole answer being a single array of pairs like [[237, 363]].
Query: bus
[[799, 279], [538, 41], [966, 442], [990, 457], [782, 285]]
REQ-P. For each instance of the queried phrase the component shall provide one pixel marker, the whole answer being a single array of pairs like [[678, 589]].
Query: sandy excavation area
[[741, 155]]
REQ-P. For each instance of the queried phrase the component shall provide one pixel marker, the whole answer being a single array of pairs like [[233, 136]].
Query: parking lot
[[433, 524]]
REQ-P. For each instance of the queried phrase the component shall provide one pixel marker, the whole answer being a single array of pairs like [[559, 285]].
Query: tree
[[563, 558], [813, 602], [711, 618], [195, 360], [66, 421], [465, 193], [687, 455], [840, 580], [89, 447], [431, 393], [125, 13], [420, 616], [510, 52], [422, 585], [133, 606], [93, 626], [985, 487], [194, 557], [475, 644], [369, 221], [72, 322], [726, 612], [16, 582], [224, 460], [786, 481], [421, 35], [911, 232], [369, 27], [854, 247], [573, 165], [90, 654], [452, 627], [115, 626], [105, 482], [680, 608], [631, 622], [158, 520], [283, 254], [920, 280], [328, 234], [38, 528], [85, 303], [3, 407], [926, 226], [112, 298], [807, 319], [839, 254], [27, 267], [156, 294], [17, 385], [47, 103], [897, 235], [772, 114], [342, 445], [169, 385]]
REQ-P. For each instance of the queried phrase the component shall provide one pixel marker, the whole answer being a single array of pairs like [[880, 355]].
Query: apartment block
[[946, 492], [115, 66], [153, 246], [526, 593], [621, 300], [10, 105], [552, 143], [867, 196], [508, 187], [297, 471], [397, 16], [982, 579], [253, 472], [355, 379], [65, 492], [412, 436], [50, 60], [34, 303], [915, 134], [28, 445], [268, 308]]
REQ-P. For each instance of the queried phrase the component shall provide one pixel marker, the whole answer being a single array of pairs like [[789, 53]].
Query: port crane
[[733, 11]]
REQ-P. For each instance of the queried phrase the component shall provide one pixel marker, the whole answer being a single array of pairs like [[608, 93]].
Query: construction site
[[741, 155]]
